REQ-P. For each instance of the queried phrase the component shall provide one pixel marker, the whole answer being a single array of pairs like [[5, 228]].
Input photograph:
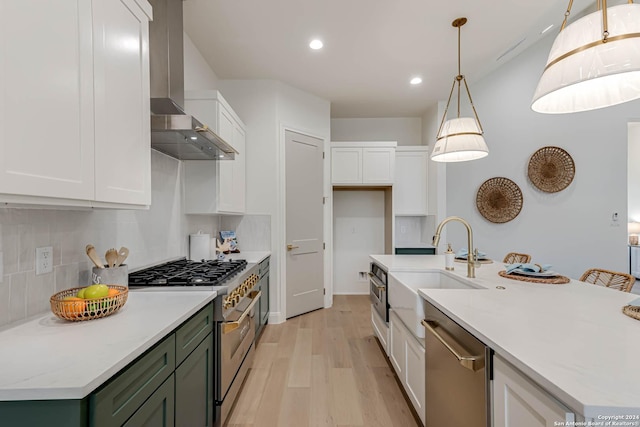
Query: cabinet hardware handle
[[292, 247], [473, 363]]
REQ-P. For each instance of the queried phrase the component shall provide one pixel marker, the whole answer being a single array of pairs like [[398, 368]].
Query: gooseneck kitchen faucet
[[471, 254]]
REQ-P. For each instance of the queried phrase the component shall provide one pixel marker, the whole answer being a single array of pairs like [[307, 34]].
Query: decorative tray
[[78, 309], [555, 280]]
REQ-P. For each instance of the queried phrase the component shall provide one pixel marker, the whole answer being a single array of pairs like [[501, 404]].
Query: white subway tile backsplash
[[39, 290], [27, 248], [5, 300], [10, 248], [67, 276], [18, 298]]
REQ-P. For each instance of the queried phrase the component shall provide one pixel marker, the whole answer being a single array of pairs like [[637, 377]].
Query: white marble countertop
[[252, 257], [572, 339], [48, 358]]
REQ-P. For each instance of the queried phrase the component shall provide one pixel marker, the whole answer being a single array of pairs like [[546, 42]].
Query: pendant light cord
[[459, 76]]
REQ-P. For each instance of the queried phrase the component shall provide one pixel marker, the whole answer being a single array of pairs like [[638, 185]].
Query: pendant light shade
[[593, 63], [459, 139]]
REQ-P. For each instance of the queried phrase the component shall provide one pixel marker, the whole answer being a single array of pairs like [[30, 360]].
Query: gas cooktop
[[184, 272]]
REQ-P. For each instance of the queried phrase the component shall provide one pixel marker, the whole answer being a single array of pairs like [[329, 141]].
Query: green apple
[[96, 291], [80, 293]]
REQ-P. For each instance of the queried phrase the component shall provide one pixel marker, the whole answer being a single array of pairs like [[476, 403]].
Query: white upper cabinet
[[363, 163], [121, 58], [46, 101], [74, 109], [410, 187], [518, 402], [216, 186]]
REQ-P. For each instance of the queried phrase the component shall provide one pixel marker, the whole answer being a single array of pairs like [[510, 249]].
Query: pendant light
[[459, 139], [593, 63]]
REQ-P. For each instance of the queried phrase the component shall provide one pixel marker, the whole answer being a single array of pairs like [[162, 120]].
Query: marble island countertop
[[48, 358], [571, 339]]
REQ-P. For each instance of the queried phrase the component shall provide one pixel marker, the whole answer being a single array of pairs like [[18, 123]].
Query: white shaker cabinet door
[[346, 165], [410, 187], [122, 132], [239, 171], [46, 103], [378, 165], [226, 182], [518, 402]]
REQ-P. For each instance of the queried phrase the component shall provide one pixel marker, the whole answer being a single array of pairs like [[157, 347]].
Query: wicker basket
[[551, 169], [87, 309], [632, 311]]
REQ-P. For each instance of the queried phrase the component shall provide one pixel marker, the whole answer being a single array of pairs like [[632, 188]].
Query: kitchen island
[[571, 340]]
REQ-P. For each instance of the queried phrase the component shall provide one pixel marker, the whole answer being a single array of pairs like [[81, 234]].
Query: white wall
[[571, 229], [358, 231], [197, 73], [403, 130], [633, 166]]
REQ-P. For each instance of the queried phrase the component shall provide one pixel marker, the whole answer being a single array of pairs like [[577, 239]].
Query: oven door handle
[[232, 326], [375, 282], [473, 363]]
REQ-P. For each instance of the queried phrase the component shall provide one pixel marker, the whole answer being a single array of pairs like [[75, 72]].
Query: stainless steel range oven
[[378, 291], [234, 313]]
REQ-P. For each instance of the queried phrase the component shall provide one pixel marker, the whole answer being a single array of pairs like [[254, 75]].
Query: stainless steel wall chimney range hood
[[174, 132]]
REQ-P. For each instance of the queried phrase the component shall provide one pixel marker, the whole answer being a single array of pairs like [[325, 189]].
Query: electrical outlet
[[44, 260]]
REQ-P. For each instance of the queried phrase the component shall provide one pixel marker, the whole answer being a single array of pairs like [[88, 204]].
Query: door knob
[[292, 247]]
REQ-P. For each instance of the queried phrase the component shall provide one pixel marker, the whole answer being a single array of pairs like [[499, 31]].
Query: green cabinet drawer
[[194, 387], [192, 332], [158, 410], [121, 397]]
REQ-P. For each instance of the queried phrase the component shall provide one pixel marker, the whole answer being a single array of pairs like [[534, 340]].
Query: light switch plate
[[44, 260]]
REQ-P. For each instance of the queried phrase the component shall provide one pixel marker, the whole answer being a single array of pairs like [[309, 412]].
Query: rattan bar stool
[[514, 257], [610, 279]]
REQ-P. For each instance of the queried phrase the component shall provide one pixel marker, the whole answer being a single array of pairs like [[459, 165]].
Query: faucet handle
[[476, 261]]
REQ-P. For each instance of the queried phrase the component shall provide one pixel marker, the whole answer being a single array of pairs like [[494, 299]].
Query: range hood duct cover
[[174, 132]]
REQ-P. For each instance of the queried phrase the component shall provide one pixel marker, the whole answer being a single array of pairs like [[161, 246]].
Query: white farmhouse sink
[[405, 301]]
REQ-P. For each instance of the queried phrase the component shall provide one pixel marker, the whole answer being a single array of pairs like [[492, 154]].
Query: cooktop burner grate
[[187, 273]]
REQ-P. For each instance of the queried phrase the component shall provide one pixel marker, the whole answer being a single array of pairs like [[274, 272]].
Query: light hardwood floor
[[324, 368]]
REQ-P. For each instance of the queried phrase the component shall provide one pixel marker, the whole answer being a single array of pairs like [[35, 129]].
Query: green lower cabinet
[[50, 413], [194, 387], [158, 410], [156, 390], [121, 397]]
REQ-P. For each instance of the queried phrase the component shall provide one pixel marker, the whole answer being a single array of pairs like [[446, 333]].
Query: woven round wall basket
[[551, 169], [499, 200]]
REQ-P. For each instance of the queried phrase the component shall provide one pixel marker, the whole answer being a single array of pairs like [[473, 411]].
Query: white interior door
[[304, 226]]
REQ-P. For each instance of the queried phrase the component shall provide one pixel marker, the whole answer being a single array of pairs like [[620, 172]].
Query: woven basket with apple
[[90, 302]]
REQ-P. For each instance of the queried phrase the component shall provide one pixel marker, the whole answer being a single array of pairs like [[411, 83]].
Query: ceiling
[[372, 48]]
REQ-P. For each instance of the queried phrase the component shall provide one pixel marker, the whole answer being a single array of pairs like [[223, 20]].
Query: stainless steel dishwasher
[[457, 374]]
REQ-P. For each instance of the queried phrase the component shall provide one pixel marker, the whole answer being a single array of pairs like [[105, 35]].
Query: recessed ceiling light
[[194, 138], [221, 156], [316, 44], [546, 29], [416, 81]]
